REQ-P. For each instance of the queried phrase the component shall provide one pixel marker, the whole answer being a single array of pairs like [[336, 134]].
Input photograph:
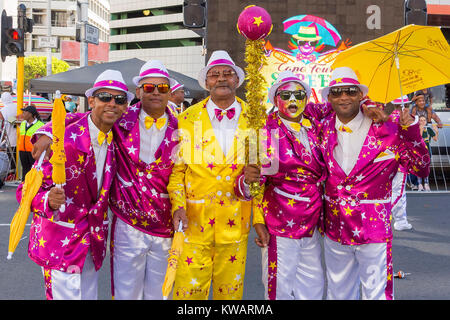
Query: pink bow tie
[[220, 113]]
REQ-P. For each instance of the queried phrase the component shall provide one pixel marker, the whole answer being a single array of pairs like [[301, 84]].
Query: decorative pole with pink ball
[[255, 23]]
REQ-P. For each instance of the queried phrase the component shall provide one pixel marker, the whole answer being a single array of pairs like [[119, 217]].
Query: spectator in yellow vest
[[31, 122]]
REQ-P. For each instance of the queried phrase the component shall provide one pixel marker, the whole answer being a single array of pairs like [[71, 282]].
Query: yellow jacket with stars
[[202, 179]]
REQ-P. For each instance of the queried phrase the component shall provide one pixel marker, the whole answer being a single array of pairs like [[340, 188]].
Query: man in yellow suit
[[212, 153]]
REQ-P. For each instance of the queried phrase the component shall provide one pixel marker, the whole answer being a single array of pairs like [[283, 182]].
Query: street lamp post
[[49, 34], [83, 6]]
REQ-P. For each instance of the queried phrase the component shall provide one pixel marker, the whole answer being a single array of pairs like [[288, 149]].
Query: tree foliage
[[36, 67]]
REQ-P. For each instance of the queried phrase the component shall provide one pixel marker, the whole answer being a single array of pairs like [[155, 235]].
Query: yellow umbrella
[[174, 253], [409, 59], [58, 159], [31, 185]]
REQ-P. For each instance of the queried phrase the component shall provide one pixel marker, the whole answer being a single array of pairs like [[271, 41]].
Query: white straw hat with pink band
[[153, 69], [344, 76], [176, 86], [220, 58], [110, 79], [402, 100], [285, 77]]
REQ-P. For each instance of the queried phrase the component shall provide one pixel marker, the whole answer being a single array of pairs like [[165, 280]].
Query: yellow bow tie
[[102, 136], [149, 121], [296, 126], [345, 129]]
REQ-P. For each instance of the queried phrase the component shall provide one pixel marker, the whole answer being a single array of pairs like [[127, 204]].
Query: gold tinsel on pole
[[256, 111], [255, 23]]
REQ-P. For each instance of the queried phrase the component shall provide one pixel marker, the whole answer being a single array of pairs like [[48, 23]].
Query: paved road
[[424, 252]]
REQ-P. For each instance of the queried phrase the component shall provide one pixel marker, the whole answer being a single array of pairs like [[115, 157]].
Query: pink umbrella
[[330, 36]]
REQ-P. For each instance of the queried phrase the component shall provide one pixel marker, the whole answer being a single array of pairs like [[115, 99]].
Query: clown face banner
[[312, 48]]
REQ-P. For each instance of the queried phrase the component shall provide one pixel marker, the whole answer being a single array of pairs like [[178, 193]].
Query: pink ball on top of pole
[[254, 23]]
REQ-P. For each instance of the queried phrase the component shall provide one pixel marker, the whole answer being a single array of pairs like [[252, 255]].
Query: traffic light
[[15, 45], [23, 22], [6, 26], [13, 39]]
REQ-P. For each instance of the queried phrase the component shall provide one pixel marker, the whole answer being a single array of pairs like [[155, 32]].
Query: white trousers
[[139, 263], [399, 198], [292, 268], [72, 286], [348, 267]]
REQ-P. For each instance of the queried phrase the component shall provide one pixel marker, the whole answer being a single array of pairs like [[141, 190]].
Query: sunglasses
[[286, 95], [150, 87], [350, 91], [225, 74], [106, 97]]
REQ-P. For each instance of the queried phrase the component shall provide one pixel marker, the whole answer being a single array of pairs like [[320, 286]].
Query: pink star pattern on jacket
[[358, 206], [292, 202], [139, 191], [231, 223], [61, 240], [205, 188], [139, 194]]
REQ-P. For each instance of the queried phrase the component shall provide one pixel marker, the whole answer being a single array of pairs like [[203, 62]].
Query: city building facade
[[63, 23], [153, 29]]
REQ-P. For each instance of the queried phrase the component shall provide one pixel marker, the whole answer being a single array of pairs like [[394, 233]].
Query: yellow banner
[[315, 73]]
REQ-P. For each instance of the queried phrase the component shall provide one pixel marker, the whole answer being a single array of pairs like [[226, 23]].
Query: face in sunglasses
[[153, 93], [107, 97], [222, 82], [291, 100], [104, 111], [346, 106], [214, 75], [350, 91], [292, 95], [150, 87]]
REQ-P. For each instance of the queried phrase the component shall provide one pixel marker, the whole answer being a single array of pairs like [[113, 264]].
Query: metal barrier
[[439, 178], [8, 156]]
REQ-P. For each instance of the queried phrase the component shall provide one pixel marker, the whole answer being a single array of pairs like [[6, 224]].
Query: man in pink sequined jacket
[[362, 159], [69, 243], [288, 220], [142, 228]]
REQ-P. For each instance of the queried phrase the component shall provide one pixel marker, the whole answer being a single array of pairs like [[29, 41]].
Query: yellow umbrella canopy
[[58, 158], [174, 253], [409, 59], [31, 185]]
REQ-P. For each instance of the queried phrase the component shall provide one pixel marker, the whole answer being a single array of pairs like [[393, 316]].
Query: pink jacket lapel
[[330, 143], [83, 144], [166, 143], [129, 132]]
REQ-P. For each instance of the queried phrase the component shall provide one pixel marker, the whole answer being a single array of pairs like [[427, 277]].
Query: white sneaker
[[427, 187], [420, 187], [402, 225]]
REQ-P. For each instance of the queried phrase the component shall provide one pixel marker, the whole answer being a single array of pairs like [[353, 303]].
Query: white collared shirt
[[34, 121], [150, 139], [100, 152], [350, 144], [301, 135], [29, 125], [224, 130]]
